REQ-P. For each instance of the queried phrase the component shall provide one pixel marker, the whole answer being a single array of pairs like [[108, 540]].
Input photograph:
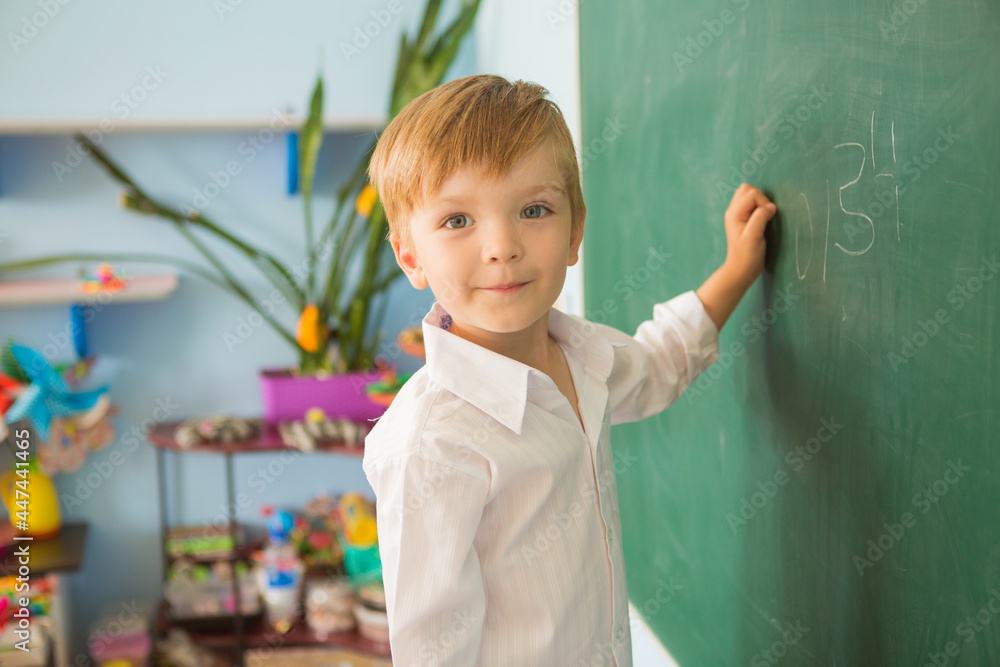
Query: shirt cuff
[[687, 313]]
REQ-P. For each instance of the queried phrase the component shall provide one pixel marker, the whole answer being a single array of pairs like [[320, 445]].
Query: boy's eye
[[535, 211], [459, 218]]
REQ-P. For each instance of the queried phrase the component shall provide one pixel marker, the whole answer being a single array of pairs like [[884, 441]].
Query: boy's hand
[[747, 216]]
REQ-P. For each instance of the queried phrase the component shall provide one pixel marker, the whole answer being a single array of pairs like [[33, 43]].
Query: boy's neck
[[532, 346]]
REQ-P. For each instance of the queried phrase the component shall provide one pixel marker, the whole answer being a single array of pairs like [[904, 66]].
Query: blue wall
[[171, 352]]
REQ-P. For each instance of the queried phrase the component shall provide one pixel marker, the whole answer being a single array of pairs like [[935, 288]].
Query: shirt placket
[[598, 435]]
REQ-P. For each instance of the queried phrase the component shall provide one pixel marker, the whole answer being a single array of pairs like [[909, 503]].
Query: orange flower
[[366, 200], [308, 330]]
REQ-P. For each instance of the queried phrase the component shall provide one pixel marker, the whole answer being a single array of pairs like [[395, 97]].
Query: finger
[[759, 219], [744, 204], [737, 196]]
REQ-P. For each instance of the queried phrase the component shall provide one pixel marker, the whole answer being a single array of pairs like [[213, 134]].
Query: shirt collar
[[496, 384]]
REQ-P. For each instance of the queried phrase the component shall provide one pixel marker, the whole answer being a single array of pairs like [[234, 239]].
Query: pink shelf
[[54, 291]]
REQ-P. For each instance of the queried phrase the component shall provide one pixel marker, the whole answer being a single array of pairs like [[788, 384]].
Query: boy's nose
[[502, 243]]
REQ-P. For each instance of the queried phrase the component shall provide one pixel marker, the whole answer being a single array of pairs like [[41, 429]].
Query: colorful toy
[[69, 444], [50, 396], [317, 543], [215, 429], [41, 517], [411, 341], [103, 280], [383, 390], [280, 570], [316, 428], [359, 538]]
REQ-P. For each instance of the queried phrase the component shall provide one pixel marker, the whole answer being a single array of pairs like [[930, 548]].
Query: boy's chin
[[499, 325]]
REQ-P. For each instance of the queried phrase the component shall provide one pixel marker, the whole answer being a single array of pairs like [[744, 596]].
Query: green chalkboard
[[825, 494]]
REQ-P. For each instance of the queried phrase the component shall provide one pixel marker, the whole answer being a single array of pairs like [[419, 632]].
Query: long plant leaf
[[428, 22], [448, 43], [141, 202], [310, 141]]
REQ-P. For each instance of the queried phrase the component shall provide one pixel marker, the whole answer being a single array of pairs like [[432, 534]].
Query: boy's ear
[[408, 262], [575, 239]]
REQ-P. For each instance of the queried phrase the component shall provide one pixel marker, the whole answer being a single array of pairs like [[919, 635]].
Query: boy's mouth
[[506, 288]]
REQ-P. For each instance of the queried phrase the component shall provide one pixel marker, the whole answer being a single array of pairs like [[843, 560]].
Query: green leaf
[[9, 365], [310, 140], [430, 18]]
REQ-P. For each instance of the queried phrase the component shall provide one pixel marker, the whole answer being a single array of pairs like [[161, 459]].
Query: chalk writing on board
[[857, 213], [802, 274], [859, 221]]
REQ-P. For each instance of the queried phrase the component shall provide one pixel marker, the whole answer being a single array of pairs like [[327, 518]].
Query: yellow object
[[315, 415], [366, 200], [357, 520], [31, 500], [307, 330]]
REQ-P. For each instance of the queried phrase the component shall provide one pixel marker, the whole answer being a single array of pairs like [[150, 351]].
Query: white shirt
[[497, 513]]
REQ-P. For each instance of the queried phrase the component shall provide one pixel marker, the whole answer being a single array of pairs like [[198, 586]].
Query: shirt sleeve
[[427, 513], [666, 354]]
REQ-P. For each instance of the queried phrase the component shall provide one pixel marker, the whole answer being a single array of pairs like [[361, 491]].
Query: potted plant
[[333, 334]]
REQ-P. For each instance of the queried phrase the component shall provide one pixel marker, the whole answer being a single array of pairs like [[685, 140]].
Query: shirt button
[[620, 634], [611, 537]]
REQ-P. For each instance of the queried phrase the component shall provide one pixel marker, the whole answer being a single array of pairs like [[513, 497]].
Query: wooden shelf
[[254, 539], [269, 440], [61, 553], [57, 291], [258, 635]]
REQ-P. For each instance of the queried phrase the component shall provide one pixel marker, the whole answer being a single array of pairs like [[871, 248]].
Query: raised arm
[[748, 214]]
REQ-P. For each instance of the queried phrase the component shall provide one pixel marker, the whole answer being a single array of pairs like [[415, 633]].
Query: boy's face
[[476, 235]]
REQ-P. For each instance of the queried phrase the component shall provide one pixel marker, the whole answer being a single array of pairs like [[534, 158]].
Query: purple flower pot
[[287, 397]]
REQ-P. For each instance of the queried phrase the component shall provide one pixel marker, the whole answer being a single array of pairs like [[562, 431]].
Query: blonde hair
[[481, 119]]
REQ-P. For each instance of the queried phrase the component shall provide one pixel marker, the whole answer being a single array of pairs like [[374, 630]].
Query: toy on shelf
[[117, 642], [104, 280], [383, 390], [321, 548], [279, 570], [315, 538], [411, 341], [71, 437], [316, 429], [215, 429], [358, 536], [40, 517], [48, 394], [39, 604], [203, 542], [201, 594], [329, 606], [69, 443], [9, 391], [179, 650]]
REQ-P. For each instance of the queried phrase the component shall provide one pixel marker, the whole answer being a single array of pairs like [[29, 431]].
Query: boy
[[496, 502]]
